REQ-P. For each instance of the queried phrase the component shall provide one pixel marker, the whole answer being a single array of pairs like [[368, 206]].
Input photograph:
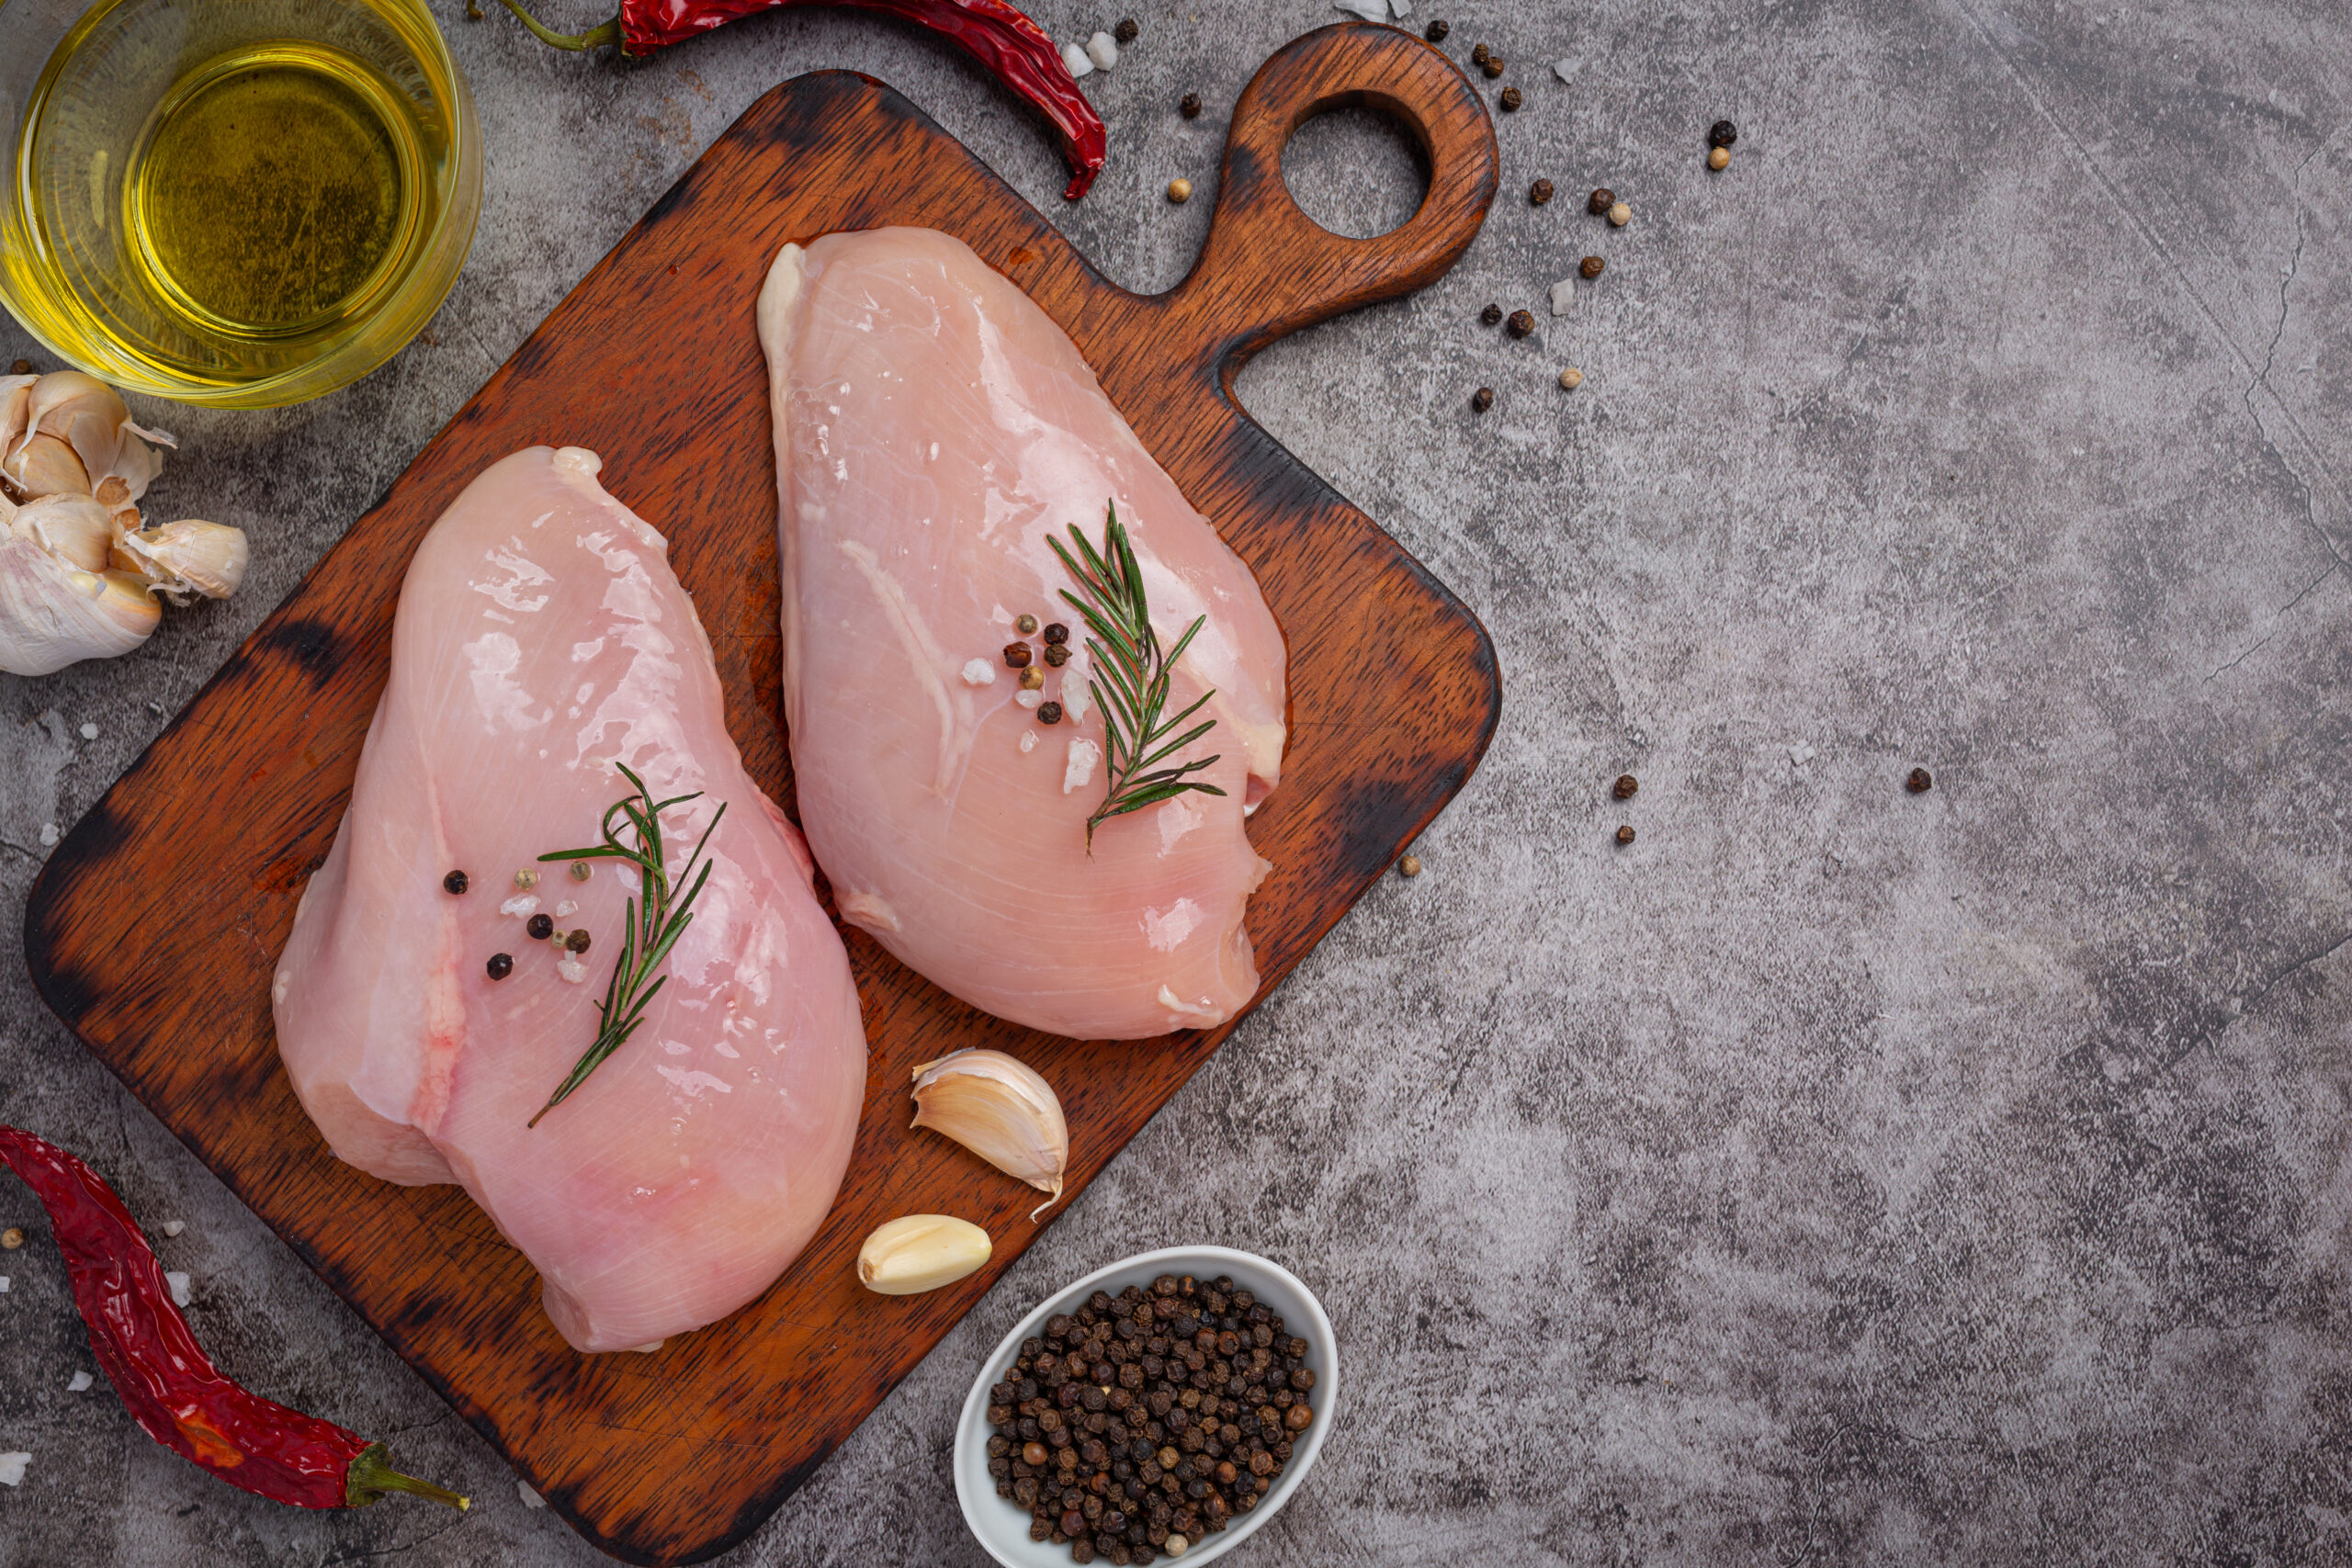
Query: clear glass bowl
[[88, 91]]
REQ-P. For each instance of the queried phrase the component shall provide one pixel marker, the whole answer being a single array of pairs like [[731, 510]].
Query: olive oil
[[250, 200]]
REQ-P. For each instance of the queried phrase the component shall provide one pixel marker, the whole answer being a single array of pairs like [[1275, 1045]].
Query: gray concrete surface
[[1835, 1176]]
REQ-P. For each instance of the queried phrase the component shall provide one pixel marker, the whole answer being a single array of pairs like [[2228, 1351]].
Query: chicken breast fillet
[[934, 429], [542, 639]]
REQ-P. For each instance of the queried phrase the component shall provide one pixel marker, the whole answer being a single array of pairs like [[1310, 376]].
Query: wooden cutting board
[[153, 930]]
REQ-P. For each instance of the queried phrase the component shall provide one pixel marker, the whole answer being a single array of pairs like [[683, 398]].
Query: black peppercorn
[[577, 941], [1190, 106], [1590, 266], [1919, 781], [1723, 134], [1127, 29], [1016, 655], [1057, 633], [21, 367], [1539, 193], [1625, 834], [1490, 315], [1437, 30], [1049, 713], [501, 966], [1624, 788], [1478, 53], [1522, 322], [455, 882], [1483, 398], [1056, 654], [540, 927], [1492, 65], [1600, 201], [1510, 99]]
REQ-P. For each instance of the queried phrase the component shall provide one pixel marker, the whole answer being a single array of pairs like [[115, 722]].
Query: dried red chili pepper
[[1015, 50], [166, 1381]]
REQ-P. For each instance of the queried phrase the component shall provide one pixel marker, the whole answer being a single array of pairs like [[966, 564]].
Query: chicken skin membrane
[[935, 430], [542, 641]]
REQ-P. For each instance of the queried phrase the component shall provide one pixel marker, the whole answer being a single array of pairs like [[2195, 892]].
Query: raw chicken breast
[[542, 639], [933, 428]]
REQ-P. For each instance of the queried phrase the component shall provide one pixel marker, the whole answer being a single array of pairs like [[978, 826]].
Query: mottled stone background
[[1835, 1176]]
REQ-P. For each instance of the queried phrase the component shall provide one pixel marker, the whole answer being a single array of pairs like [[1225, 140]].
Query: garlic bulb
[[1001, 1110], [78, 573], [920, 1252]]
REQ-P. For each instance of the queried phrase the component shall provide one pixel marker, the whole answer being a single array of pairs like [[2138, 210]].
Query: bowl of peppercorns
[[1163, 1407]]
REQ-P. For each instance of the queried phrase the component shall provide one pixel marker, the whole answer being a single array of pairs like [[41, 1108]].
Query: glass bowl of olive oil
[[242, 203]]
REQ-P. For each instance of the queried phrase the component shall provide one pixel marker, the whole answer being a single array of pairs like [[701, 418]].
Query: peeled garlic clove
[[73, 528], [920, 1252], [90, 417], [190, 557], [52, 613], [999, 1109], [44, 465]]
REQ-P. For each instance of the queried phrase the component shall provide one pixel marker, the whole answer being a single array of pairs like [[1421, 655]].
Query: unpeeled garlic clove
[[45, 465], [52, 613], [998, 1108], [189, 556], [920, 1252], [73, 528], [91, 418]]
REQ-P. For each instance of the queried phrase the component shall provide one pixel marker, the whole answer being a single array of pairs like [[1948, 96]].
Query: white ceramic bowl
[[1002, 1526]]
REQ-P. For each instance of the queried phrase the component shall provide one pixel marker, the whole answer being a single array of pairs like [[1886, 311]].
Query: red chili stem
[[163, 1376], [1010, 47]]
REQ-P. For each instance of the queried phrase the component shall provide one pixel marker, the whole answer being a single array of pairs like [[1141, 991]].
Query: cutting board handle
[[1268, 269]]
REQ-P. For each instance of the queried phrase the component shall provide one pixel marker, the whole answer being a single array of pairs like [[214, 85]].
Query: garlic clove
[[189, 556], [998, 1108], [73, 528], [44, 465], [90, 417], [52, 613], [15, 400], [920, 1252]]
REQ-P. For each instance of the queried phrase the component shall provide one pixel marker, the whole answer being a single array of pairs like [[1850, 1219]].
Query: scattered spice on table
[[1140, 1423], [540, 927], [1049, 713], [501, 966], [1007, 44], [12, 1238], [1600, 201], [527, 879], [1025, 625], [1056, 633], [1410, 865], [455, 882], [1723, 134], [1620, 214], [1920, 782], [1590, 266], [1539, 193], [1016, 655], [1056, 654], [163, 1376], [20, 367], [1190, 107], [1490, 315], [1480, 53], [1482, 399], [1522, 322], [1125, 31], [1437, 30], [1625, 787], [1510, 100], [1032, 677], [582, 871], [577, 941], [1719, 158], [1625, 833], [1492, 65], [1571, 378], [1179, 190]]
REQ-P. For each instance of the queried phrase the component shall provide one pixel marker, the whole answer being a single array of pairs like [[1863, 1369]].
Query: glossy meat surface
[[933, 428], [541, 638]]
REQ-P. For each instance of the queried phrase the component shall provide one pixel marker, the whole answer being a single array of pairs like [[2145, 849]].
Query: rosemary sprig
[[1130, 678], [649, 931]]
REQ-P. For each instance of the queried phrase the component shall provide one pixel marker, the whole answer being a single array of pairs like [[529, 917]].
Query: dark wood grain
[[652, 361]]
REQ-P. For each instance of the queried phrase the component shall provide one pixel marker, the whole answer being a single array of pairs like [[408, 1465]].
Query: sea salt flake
[[567, 907], [1028, 741], [1030, 699], [1074, 58], [47, 834], [978, 673], [1564, 296], [174, 1227], [1103, 50], [1566, 70], [521, 905], [178, 1283], [572, 970], [78, 1383], [12, 1468], [3, 1284], [1370, 10], [1400, 9], [1083, 755], [530, 1498], [89, 732]]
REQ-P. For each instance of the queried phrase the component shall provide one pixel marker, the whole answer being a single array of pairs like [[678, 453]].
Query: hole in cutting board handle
[[1358, 172]]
